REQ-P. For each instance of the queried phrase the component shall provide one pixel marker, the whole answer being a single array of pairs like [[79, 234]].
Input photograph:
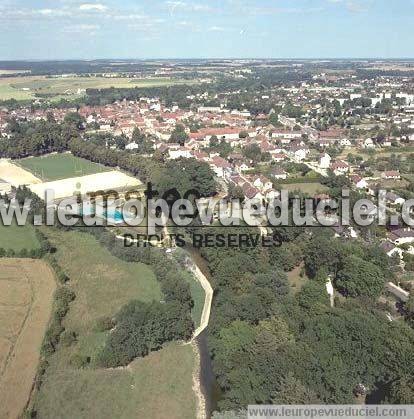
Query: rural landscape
[[206, 209]]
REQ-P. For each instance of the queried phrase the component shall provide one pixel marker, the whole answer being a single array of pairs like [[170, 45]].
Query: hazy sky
[[49, 29]]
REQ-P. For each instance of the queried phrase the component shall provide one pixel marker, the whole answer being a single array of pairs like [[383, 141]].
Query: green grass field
[[8, 92], [309, 188], [26, 87], [60, 166], [103, 284], [17, 238], [198, 295], [158, 386]]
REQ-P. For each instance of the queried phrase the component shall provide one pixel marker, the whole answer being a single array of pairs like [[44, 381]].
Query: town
[[247, 300]]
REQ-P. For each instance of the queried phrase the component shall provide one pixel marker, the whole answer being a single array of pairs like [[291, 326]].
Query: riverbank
[[197, 386]]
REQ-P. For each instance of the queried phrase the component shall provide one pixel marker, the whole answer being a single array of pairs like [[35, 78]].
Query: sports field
[[60, 166], [55, 88], [26, 290], [103, 284]]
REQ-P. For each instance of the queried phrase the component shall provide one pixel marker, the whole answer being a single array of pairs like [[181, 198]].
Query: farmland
[[26, 289], [60, 166], [29, 87], [103, 284]]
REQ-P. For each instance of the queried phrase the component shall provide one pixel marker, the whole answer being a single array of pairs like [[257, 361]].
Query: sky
[[142, 29]]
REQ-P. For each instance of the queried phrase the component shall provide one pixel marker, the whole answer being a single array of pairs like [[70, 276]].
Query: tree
[[313, 297], [409, 309], [401, 391], [74, 119], [323, 251], [179, 135], [185, 175], [142, 328], [235, 192], [253, 153], [409, 261], [359, 277], [292, 391], [272, 333], [274, 120]]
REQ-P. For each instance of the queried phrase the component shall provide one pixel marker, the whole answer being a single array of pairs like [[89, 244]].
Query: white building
[[325, 161]]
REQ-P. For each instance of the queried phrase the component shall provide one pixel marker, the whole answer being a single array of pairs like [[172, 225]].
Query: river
[[208, 383]]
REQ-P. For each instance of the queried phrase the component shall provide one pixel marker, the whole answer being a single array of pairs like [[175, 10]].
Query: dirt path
[[208, 299]]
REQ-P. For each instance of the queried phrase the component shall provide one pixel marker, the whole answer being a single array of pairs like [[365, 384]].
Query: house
[[262, 183], [339, 168], [343, 231], [271, 194], [222, 168], [177, 152], [236, 179], [391, 175], [200, 155], [368, 143], [242, 167], [286, 141], [286, 134], [250, 192], [265, 146], [298, 152], [390, 249], [344, 142], [324, 143], [393, 199], [325, 161], [235, 157], [131, 146], [278, 173], [359, 182], [193, 144], [278, 157], [401, 236], [226, 133], [387, 142], [333, 135]]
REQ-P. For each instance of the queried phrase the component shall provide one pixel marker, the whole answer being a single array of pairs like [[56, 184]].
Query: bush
[[142, 328], [104, 324], [63, 296]]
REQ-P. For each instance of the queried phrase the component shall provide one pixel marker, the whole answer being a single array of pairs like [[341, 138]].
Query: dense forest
[[274, 344]]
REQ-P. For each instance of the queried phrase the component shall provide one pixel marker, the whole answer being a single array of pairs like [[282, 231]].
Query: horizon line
[[210, 59]]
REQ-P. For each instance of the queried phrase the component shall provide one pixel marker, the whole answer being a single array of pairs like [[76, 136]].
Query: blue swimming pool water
[[112, 216]]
